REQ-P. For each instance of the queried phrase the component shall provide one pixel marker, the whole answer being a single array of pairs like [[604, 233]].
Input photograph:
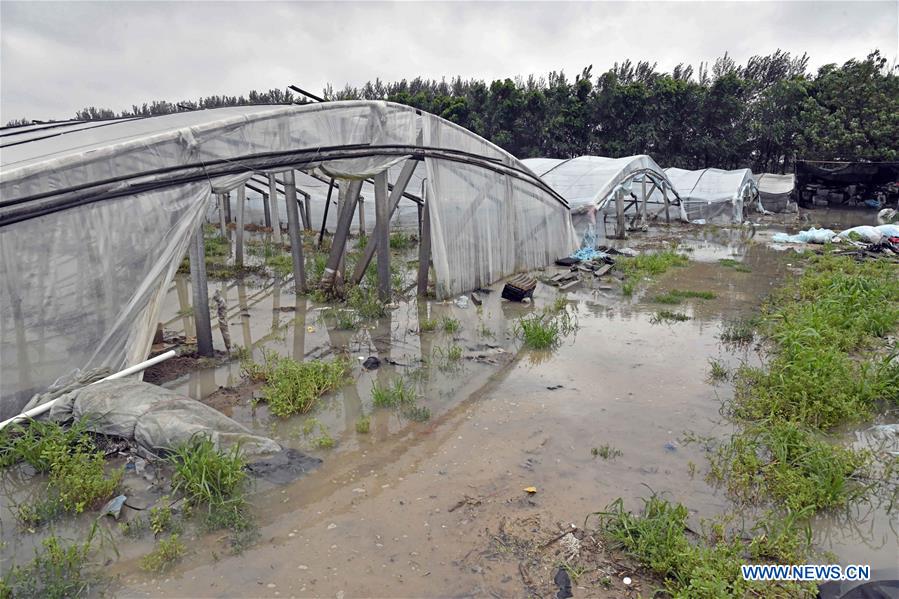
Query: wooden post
[[304, 210], [382, 234], [643, 221], [267, 210], [665, 197], [293, 228], [338, 243], [424, 248], [276, 219], [223, 221], [227, 197], [621, 228], [401, 182], [241, 209], [197, 254], [307, 200], [361, 216]]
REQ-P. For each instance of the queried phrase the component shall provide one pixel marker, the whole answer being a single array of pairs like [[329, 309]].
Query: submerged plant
[[668, 316], [734, 264], [165, 555], [677, 296], [450, 325], [363, 425], [392, 395], [293, 387]]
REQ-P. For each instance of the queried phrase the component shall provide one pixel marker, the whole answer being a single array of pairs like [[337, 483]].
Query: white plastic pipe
[[38, 410]]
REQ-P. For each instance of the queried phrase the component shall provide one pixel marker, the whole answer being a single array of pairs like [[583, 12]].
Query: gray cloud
[[56, 58]]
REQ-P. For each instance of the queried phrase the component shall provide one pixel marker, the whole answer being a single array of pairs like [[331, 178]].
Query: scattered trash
[[113, 507], [554, 387], [462, 301], [520, 287], [563, 582], [887, 215], [627, 581], [530, 490], [310, 329], [628, 252], [865, 233], [475, 299], [670, 447], [588, 253], [371, 363], [569, 261]]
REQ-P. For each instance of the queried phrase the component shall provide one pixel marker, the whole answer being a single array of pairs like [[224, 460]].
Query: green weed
[[363, 425], [167, 553], [545, 330], [343, 318], [450, 325], [734, 264], [606, 452], [281, 264], [427, 324], [739, 332], [667, 316], [293, 387], [416, 413], [717, 371], [396, 394], [677, 296], [401, 241], [57, 571], [162, 519]]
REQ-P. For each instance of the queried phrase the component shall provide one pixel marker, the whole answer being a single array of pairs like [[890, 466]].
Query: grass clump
[[791, 464], [647, 265], [677, 296], [343, 318], [401, 241], [395, 394], [734, 264], [162, 519], [668, 316], [739, 332], [76, 468], [707, 567], [416, 413], [546, 329], [293, 387], [606, 452], [57, 571], [363, 425], [717, 371], [167, 553], [364, 300], [281, 264], [428, 324], [450, 325]]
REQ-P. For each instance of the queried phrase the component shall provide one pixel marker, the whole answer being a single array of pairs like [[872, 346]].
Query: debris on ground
[[519, 287], [284, 467], [371, 363]]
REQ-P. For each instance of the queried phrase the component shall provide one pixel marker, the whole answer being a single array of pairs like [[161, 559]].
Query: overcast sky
[[59, 57]]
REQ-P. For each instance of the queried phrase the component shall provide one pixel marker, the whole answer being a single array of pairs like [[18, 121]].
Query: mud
[[439, 508]]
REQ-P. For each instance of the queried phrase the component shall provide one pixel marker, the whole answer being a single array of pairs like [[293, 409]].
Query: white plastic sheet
[[95, 217]]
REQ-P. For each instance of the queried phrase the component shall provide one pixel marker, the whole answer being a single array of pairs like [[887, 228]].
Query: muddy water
[[410, 509]]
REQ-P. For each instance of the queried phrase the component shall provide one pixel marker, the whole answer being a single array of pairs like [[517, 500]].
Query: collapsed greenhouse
[[596, 185], [95, 217], [714, 195]]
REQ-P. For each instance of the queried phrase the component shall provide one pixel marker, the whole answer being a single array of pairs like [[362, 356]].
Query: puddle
[[405, 509]]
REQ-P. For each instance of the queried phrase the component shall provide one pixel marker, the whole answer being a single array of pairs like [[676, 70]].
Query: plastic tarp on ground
[[713, 195], [95, 217], [775, 191]]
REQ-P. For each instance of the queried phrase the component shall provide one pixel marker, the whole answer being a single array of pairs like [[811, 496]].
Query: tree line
[[763, 114]]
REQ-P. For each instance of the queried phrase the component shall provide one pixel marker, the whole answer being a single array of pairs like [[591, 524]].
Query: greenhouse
[[775, 191], [608, 186], [95, 217], [714, 195]]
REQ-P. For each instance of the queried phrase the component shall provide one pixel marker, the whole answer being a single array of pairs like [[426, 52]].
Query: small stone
[[332, 526], [627, 581]]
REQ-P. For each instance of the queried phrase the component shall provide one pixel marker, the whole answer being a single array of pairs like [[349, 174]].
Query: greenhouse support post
[[223, 222], [304, 210], [293, 227], [665, 199], [268, 212], [399, 188], [321, 234], [241, 208], [621, 225], [200, 289], [342, 231], [382, 234], [424, 248], [643, 203], [227, 198], [307, 200], [361, 215], [276, 219]]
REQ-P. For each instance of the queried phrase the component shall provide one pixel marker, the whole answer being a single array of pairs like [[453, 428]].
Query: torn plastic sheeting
[[589, 253], [812, 235], [157, 419], [865, 233]]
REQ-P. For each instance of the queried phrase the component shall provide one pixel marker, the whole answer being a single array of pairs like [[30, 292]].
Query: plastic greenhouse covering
[[713, 195], [775, 191], [95, 217], [590, 182]]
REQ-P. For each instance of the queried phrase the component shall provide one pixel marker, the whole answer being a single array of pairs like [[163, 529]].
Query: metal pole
[[665, 197], [424, 248], [321, 233], [382, 234], [223, 222], [268, 213], [307, 199], [227, 198], [621, 230], [643, 207], [241, 205], [276, 220], [293, 228], [199, 286], [361, 216]]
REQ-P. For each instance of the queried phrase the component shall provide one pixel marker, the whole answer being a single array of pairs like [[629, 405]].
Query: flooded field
[[434, 502]]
